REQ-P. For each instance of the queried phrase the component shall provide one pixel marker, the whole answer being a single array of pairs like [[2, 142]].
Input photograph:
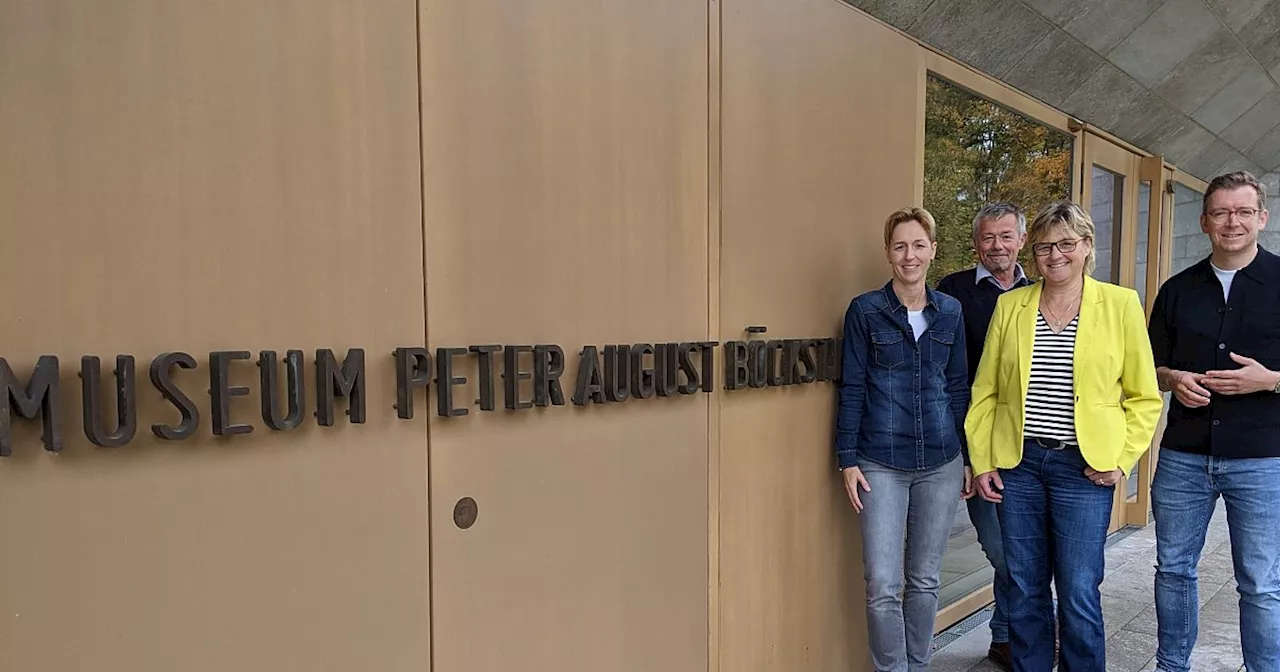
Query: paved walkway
[[1128, 607]]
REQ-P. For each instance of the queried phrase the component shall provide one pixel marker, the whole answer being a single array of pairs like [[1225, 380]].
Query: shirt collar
[[1264, 266], [981, 272], [893, 304]]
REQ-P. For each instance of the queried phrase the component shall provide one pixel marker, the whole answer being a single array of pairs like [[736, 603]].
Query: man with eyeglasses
[[999, 234], [1215, 334]]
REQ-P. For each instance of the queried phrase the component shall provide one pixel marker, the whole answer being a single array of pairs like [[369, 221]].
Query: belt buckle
[[1052, 444]]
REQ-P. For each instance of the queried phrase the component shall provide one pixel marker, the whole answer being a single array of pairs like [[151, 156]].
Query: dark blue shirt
[[902, 401], [977, 298], [1193, 329]]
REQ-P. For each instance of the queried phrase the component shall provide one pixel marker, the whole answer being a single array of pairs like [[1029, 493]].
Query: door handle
[[464, 513]]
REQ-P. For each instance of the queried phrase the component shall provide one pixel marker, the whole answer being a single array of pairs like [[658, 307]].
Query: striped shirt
[[1050, 407]]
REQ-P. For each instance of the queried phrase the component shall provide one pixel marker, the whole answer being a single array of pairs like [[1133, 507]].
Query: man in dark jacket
[[999, 234], [1215, 334]]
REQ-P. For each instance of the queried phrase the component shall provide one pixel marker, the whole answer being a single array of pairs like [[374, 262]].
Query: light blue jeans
[[906, 512], [1183, 495]]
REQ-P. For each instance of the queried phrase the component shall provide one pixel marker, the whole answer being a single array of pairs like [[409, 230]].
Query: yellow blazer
[[1118, 400]]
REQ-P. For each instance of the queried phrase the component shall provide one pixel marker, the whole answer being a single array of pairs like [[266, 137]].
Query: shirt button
[[1222, 346], [1216, 423]]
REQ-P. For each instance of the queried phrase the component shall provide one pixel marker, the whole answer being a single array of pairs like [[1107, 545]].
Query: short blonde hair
[[1071, 217], [911, 215]]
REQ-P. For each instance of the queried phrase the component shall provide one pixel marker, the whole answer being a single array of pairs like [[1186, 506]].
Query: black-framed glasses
[[1064, 246], [1244, 215]]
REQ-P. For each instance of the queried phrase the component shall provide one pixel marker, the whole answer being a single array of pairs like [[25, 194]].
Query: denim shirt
[[902, 401]]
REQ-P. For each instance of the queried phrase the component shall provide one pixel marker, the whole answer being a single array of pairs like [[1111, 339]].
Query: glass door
[[1175, 242], [1152, 252], [1112, 185]]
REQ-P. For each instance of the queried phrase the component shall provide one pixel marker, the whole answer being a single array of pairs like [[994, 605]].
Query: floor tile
[[1129, 651], [1217, 648]]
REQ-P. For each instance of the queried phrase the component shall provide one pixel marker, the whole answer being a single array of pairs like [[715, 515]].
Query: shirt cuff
[[847, 458]]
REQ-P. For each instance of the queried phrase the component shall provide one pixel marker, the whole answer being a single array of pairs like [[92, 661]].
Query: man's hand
[[967, 491], [1252, 377], [853, 478], [1188, 388], [990, 486]]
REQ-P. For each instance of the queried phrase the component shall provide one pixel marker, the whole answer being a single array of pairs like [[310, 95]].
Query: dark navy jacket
[[978, 301], [902, 402], [1193, 329]]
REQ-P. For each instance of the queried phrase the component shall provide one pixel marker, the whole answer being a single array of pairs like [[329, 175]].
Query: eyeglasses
[[1064, 246], [1244, 215]]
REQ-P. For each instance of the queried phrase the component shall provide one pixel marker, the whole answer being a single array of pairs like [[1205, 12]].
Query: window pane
[[1106, 209], [1140, 280], [1144, 229], [977, 151]]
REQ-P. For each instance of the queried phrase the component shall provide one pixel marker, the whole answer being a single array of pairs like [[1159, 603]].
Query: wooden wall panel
[[565, 193], [200, 176], [821, 111]]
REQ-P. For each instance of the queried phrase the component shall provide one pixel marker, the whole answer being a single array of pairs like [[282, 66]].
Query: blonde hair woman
[[900, 439], [1064, 403]]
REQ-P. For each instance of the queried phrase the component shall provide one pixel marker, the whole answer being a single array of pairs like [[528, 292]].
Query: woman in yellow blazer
[[1064, 403]]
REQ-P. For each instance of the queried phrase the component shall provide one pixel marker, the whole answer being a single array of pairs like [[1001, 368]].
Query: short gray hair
[[996, 210]]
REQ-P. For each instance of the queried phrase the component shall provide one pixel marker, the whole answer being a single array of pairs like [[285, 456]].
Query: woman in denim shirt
[[900, 439]]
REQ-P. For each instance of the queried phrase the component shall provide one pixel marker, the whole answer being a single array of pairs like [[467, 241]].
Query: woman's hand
[[1104, 479], [853, 478], [967, 490], [990, 487]]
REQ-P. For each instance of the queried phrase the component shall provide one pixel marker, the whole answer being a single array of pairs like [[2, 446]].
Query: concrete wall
[[1270, 238]]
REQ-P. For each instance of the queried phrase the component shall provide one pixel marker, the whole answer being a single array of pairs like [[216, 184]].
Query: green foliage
[[976, 152]]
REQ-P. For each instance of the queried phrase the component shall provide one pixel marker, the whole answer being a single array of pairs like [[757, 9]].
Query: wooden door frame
[[1152, 170], [1101, 152], [1098, 151], [1163, 177]]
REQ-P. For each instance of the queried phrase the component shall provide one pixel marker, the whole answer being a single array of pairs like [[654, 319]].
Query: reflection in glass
[[1140, 281], [1144, 227], [1106, 207], [976, 152]]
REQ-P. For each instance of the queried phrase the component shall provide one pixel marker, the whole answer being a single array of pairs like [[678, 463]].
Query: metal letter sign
[[531, 376]]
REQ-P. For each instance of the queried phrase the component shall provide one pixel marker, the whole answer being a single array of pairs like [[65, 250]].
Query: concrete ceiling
[[1195, 80]]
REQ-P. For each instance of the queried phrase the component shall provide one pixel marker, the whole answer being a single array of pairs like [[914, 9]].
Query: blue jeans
[[911, 512], [1055, 523], [985, 518], [1183, 495]]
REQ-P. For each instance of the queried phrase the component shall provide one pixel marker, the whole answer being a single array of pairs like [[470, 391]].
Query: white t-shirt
[[1225, 277], [918, 322]]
